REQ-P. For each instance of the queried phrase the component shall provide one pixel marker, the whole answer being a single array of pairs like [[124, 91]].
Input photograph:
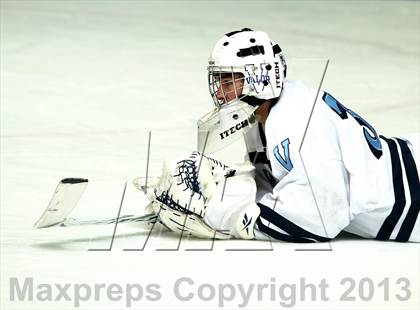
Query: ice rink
[[84, 82]]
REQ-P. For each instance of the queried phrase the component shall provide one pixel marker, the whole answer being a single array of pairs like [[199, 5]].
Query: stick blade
[[64, 199]]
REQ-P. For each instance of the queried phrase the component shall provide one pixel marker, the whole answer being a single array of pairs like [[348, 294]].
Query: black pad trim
[[251, 51], [259, 158], [237, 31], [73, 180], [276, 49]]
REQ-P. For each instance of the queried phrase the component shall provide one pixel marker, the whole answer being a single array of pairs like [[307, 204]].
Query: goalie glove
[[188, 186], [190, 182]]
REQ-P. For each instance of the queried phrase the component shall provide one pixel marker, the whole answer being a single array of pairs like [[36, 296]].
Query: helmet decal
[[278, 78], [257, 81]]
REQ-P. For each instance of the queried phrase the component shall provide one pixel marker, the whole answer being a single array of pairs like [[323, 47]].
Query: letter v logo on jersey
[[285, 159]]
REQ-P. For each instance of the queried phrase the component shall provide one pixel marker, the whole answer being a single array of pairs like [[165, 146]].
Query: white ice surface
[[82, 84]]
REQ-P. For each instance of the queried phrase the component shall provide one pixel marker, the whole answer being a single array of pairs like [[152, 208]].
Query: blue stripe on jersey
[[414, 186], [399, 196], [284, 224], [278, 235]]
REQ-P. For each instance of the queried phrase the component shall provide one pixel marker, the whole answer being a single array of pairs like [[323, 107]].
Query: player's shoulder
[[293, 86], [293, 100], [294, 94]]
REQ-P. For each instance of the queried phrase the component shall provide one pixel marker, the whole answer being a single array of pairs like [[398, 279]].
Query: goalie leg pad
[[233, 208]]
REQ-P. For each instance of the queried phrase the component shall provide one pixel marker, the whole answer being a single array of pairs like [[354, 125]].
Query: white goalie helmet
[[252, 56], [246, 68]]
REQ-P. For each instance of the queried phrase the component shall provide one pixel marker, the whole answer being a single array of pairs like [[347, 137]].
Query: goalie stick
[[65, 198], [148, 219]]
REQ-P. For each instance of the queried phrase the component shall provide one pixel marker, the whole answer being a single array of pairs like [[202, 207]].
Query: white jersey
[[342, 176]]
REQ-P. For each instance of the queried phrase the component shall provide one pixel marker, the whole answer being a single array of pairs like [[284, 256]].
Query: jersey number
[[369, 132]]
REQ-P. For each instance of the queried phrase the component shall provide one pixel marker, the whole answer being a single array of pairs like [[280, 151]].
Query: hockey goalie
[[313, 167]]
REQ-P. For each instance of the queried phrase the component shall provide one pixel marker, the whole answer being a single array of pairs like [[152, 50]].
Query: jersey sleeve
[[306, 209], [310, 202]]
